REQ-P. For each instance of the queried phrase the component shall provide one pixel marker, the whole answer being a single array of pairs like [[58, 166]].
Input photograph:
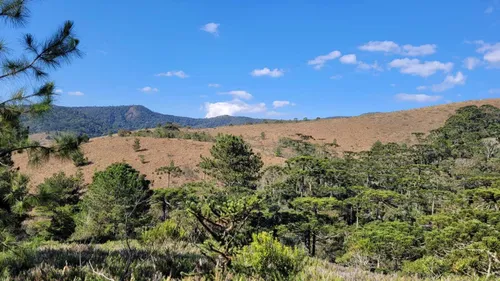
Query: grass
[[167, 261]]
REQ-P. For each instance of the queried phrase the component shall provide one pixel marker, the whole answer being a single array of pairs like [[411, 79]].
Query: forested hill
[[100, 120]]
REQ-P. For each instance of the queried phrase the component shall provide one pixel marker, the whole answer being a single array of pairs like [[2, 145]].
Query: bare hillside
[[352, 134]]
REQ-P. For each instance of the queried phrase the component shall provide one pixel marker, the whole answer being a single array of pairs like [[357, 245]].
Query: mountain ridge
[[101, 120]]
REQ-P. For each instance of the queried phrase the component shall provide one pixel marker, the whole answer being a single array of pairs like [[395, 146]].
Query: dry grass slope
[[352, 134]]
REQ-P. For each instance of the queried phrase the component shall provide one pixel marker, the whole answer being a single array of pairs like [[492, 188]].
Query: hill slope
[[100, 120], [352, 134]]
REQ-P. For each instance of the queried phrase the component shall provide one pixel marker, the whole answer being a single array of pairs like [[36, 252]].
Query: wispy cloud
[[421, 88], [214, 85], [76, 93], [268, 72], [449, 82], [336, 77], [494, 91], [365, 66], [423, 69], [148, 89], [471, 62], [176, 73], [319, 61], [212, 28], [239, 94], [489, 10], [102, 52], [394, 48], [491, 52], [58, 91], [417, 97], [282, 103]]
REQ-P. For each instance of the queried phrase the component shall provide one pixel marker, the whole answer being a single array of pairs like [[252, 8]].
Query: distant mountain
[[100, 120]]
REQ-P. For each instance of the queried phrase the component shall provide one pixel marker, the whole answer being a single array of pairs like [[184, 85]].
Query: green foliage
[[164, 232], [262, 135], [115, 205], [137, 145], [33, 60], [56, 204], [383, 245], [233, 162], [269, 259]]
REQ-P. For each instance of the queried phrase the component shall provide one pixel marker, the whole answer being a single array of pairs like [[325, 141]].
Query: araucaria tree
[[233, 162]]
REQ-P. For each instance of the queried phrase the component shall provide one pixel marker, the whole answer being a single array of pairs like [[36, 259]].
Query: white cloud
[[214, 85], [268, 72], [58, 91], [415, 67], [471, 62], [491, 52], [393, 47], [148, 89], [176, 73], [494, 91], [449, 82], [366, 66], [232, 108], [489, 10], [319, 61], [421, 88], [336, 77], [422, 50], [76, 93], [380, 46], [239, 94], [348, 59], [282, 103], [211, 27], [417, 97]]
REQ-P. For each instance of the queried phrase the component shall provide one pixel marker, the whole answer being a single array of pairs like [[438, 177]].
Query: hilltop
[[351, 134]]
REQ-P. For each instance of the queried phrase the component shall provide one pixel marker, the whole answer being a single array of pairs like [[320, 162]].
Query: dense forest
[[101, 120], [429, 210]]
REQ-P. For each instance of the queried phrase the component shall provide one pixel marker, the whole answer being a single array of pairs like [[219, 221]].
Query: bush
[[79, 159], [166, 231], [270, 259]]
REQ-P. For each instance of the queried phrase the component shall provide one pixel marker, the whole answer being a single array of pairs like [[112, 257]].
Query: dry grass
[[352, 134]]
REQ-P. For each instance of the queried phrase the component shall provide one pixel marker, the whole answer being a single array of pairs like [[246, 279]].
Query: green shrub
[[79, 159], [270, 259], [166, 231]]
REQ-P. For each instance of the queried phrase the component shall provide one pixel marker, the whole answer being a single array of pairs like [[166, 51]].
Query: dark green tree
[[233, 162], [115, 205]]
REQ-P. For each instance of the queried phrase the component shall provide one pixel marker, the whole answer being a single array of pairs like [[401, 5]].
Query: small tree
[[171, 171], [137, 145], [233, 162], [116, 203], [55, 206]]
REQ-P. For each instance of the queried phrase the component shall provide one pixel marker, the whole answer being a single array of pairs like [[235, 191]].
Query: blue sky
[[275, 59]]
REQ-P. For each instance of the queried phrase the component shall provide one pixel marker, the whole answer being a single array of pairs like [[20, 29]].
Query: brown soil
[[352, 134]]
